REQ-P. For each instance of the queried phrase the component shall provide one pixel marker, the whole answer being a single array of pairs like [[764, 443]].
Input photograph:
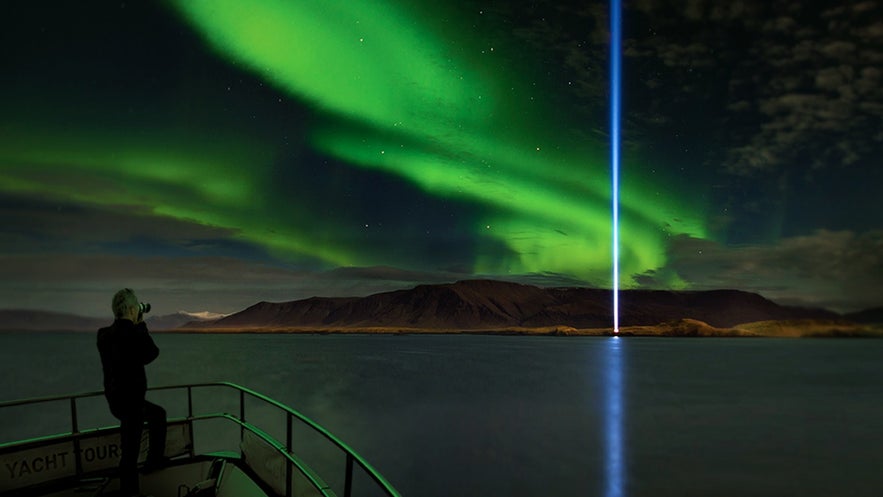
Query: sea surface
[[458, 415]]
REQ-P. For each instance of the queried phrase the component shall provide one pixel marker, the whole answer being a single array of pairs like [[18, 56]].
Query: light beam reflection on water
[[614, 412]]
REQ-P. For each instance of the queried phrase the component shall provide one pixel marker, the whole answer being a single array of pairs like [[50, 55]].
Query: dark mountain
[[28, 320], [179, 319], [309, 312], [485, 304], [719, 308], [867, 316]]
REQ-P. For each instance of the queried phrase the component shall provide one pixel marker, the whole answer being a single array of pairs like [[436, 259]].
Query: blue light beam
[[614, 481], [615, 119]]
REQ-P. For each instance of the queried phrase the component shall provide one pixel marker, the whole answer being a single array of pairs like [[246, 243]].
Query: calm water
[[530, 416]]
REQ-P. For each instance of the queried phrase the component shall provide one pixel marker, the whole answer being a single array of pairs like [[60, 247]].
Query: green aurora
[[417, 110], [389, 92]]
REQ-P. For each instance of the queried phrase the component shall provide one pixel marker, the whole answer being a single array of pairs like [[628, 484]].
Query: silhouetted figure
[[125, 347]]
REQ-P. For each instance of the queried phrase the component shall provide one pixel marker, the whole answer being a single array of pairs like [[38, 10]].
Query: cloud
[[387, 273], [822, 92], [71, 258], [84, 283], [840, 270], [795, 86], [62, 256]]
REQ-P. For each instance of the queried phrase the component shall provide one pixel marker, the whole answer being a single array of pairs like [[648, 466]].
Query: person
[[125, 348]]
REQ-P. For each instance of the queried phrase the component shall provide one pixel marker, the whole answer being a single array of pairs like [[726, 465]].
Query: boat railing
[[285, 448]]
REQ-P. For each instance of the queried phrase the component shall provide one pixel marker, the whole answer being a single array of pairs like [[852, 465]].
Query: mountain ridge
[[487, 304]]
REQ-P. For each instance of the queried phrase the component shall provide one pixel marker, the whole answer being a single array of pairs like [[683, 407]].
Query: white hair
[[124, 300]]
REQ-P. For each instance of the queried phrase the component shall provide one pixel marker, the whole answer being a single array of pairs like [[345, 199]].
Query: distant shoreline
[[683, 328]]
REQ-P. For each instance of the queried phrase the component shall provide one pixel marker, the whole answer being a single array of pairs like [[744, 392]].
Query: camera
[[143, 308]]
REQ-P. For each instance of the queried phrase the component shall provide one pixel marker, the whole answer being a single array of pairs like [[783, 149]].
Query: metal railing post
[[74, 424], [75, 430], [189, 401], [242, 405], [288, 449], [190, 420], [241, 426], [348, 485]]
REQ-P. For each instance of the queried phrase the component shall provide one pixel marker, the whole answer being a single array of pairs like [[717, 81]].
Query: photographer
[[125, 347]]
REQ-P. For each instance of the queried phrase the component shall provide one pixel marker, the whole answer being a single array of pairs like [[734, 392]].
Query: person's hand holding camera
[[136, 313]]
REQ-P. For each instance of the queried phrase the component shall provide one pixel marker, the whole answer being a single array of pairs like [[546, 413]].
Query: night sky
[[214, 153]]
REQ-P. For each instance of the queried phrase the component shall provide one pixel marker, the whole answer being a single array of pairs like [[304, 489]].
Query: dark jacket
[[125, 348]]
